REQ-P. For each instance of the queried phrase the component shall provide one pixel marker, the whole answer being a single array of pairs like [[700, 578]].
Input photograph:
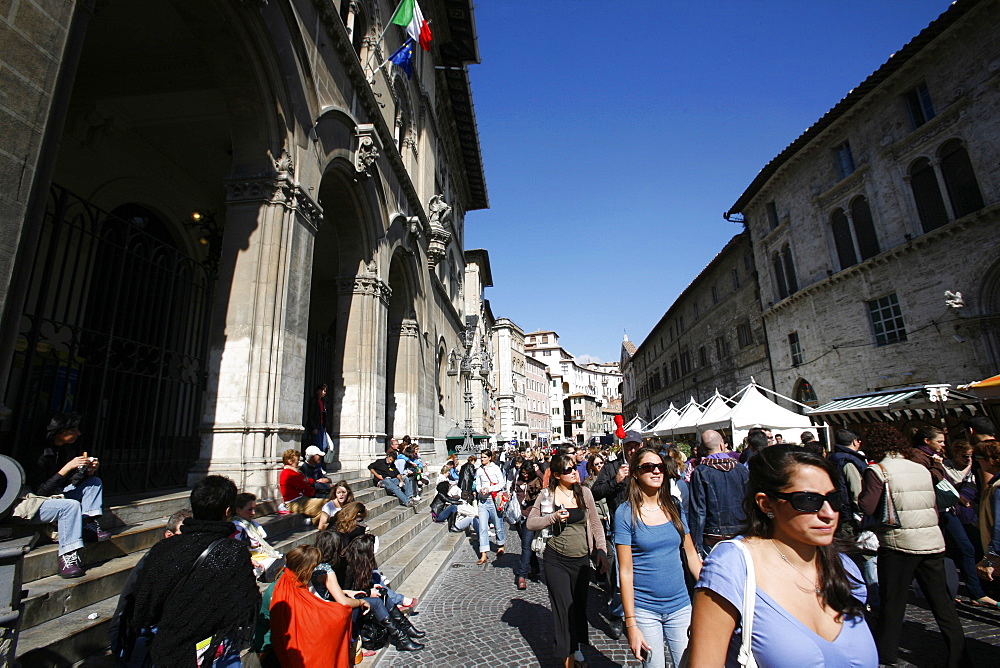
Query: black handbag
[[374, 636]]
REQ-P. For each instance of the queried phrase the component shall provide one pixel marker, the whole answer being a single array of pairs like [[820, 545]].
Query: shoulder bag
[[885, 517], [945, 493], [135, 643], [500, 497]]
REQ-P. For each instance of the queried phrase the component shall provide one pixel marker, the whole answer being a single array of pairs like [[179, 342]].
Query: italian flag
[[409, 16]]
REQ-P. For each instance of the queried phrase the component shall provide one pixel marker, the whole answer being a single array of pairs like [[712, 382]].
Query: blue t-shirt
[[657, 571], [779, 639]]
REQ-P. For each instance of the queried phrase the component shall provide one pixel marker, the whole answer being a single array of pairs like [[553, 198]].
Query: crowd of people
[[775, 553], [783, 553]]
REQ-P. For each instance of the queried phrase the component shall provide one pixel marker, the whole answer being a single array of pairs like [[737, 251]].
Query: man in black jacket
[[610, 485], [851, 465], [209, 606]]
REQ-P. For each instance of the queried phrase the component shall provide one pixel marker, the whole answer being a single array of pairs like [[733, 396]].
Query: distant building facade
[[537, 382], [712, 337], [886, 202], [602, 381], [512, 400]]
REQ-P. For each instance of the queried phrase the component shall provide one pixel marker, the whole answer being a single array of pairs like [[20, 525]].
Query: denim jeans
[[657, 627], [488, 514], [466, 521], [68, 514], [392, 485], [962, 552], [410, 484], [528, 557], [90, 494], [446, 512]]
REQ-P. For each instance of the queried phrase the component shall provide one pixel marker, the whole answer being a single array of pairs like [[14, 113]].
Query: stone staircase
[[66, 621]]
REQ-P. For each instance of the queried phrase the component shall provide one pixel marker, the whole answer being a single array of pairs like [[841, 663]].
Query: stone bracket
[[367, 147]]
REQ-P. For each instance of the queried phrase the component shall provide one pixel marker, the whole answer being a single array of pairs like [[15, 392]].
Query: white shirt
[[489, 478]]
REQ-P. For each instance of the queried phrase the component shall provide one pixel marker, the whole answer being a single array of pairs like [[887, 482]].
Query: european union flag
[[404, 58]]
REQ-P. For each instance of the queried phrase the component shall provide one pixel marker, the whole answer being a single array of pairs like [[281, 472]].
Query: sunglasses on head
[[650, 467], [812, 502]]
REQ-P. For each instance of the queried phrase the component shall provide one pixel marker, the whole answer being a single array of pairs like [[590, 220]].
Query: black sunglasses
[[649, 467], [812, 502]]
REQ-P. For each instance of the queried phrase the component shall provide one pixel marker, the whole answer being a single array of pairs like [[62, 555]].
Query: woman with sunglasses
[[577, 537], [649, 536], [809, 601], [915, 549]]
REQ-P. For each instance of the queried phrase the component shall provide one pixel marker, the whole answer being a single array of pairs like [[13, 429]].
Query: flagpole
[[380, 38]]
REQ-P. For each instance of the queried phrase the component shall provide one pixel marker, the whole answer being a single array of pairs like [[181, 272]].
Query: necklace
[[816, 589]]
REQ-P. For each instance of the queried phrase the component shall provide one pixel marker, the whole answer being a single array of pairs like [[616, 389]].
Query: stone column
[[253, 403], [358, 401]]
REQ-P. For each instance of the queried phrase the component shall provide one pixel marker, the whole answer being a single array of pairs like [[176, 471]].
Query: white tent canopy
[[688, 419], [754, 409], [717, 414], [635, 424], [661, 426]]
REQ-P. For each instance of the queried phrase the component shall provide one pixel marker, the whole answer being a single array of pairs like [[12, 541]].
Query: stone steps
[[57, 629]]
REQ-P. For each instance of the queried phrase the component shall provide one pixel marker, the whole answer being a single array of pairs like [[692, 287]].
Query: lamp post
[[467, 362]]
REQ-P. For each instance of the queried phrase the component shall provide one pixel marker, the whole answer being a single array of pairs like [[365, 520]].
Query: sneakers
[[93, 533], [283, 509], [411, 606], [71, 565]]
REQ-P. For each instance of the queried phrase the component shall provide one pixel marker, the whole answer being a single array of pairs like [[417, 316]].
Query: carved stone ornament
[[371, 286], [367, 148], [284, 163], [276, 190], [438, 234]]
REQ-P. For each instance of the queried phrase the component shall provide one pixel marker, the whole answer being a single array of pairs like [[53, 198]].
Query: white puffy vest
[[913, 493]]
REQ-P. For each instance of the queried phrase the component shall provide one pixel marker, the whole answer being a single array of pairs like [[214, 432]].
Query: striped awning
[[911, 403]]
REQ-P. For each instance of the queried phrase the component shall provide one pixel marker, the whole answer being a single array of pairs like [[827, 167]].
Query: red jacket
[[293, 485]]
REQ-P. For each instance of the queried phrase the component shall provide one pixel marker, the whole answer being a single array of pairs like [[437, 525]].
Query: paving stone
[[474, 616]]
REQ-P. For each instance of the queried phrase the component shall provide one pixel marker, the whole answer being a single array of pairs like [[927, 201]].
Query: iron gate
[[115, 327]]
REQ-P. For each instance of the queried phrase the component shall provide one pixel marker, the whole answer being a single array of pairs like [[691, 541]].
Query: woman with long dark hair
[[915, 549], [527, 486], [577, 538], [650, 534], [359, 556], [809, 598]]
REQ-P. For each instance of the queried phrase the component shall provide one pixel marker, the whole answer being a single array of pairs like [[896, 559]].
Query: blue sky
[[615, 135]]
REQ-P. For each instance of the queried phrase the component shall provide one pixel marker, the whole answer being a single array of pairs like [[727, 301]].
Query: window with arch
[[854, 233], [927, 195], [356, 22], [959, 179], [784, 272]]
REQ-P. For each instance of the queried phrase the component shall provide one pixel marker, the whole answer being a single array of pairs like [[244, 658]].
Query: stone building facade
[[479, 332], [712, 337], [220, 206], [889, 200]]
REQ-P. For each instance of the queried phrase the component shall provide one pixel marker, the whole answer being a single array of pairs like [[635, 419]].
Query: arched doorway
[[117, 321], [805, 394]]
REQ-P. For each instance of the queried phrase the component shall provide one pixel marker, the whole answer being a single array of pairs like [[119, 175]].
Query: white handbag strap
[[745, 656]]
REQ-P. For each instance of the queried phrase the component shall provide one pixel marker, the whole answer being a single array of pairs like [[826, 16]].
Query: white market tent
[[661, 425], [688, 419], [634, 424], [754, 409], [717, 414]]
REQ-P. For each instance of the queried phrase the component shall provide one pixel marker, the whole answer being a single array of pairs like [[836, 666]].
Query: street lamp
[[469, 361]]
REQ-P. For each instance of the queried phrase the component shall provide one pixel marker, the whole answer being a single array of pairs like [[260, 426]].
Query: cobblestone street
[[474, 616]]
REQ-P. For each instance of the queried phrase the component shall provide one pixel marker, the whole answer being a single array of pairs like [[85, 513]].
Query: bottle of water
[[547, 505]]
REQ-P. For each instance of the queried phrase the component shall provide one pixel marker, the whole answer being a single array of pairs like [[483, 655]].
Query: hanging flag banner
[[403, 56], [409, 16]]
